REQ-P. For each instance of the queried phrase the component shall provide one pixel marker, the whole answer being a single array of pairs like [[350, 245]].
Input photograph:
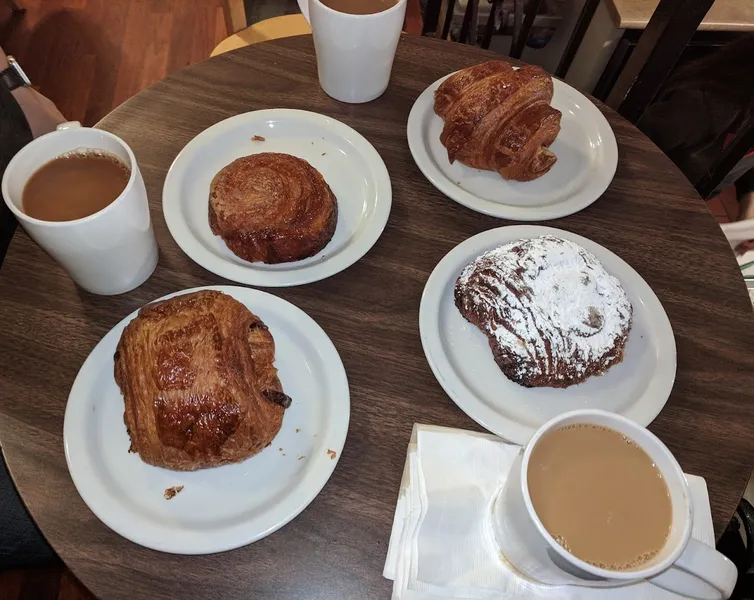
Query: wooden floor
[[88, 56]]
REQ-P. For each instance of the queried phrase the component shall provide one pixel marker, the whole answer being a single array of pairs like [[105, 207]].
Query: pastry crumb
[[297, 429], [324, 153], [280, 449], [257, 138], [172, 491], [301, 457], [332, 454]]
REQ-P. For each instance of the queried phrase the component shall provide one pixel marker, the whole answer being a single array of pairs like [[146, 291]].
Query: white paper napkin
[[441, 545]]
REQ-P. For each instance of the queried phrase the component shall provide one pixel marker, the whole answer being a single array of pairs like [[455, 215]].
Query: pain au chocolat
[[551, 313], [198, 382], [498, 118], [272, 207]]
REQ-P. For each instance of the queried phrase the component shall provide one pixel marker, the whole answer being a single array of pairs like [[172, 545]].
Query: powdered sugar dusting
[[549, 302]]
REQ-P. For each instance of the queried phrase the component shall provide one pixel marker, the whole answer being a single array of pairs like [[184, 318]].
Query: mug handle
[[700, 572]]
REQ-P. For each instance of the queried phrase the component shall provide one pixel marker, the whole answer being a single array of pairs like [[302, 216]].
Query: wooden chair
[[242, 34], [269, 29], [657, 51]]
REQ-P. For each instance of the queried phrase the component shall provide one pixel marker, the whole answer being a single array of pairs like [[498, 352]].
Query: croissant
[[198, 382], [498, 118], [272, 207]]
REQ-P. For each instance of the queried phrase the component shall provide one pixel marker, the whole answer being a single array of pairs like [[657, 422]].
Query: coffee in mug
[[101, 234], [600, 496], [360, 7], [74, 185]]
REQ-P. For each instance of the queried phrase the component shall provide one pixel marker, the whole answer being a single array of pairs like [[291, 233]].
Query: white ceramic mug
[[685, 565], [355, 52], [110, 252]]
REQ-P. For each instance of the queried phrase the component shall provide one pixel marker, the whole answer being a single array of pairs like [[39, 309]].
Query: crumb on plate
[[301, 457], [172, 491], [257, 138], [332, 454]]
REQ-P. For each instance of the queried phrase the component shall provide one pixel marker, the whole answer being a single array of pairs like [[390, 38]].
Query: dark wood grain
[[336, 548]]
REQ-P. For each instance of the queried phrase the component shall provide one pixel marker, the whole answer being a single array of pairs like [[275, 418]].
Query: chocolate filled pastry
[[272, 207], [552, 315], [498, 118], [198, 382]]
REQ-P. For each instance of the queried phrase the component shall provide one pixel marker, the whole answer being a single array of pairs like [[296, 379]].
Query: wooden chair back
[[524, 12], [234, 12]]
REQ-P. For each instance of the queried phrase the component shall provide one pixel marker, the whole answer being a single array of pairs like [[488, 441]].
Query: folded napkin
[[441, 545]]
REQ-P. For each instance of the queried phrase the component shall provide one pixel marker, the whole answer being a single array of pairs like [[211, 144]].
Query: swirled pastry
[[498, 118], [552, 314], [272, 207], [198, 382]]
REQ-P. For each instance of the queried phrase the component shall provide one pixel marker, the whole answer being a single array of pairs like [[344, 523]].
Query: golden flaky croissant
[[198, 382], [498, 118]]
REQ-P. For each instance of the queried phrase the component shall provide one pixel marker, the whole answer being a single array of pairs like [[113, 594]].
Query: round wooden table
[[650, 216]]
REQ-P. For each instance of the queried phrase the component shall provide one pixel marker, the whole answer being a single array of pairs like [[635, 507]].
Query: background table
[[336, 548]]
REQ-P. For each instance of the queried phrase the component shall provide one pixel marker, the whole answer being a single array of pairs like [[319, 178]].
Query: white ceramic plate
[[587, 158], [224, 507], [349, 163], [462, 362]]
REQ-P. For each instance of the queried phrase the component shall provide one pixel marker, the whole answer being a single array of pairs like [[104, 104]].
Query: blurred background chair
[[696, 102], [480, 21], [269, 29], [243, 23]]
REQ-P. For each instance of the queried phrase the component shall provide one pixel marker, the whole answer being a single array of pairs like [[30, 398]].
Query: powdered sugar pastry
[[553, 315]]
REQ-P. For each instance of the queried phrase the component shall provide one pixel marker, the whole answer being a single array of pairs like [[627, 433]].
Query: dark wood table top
[[650, 216]]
